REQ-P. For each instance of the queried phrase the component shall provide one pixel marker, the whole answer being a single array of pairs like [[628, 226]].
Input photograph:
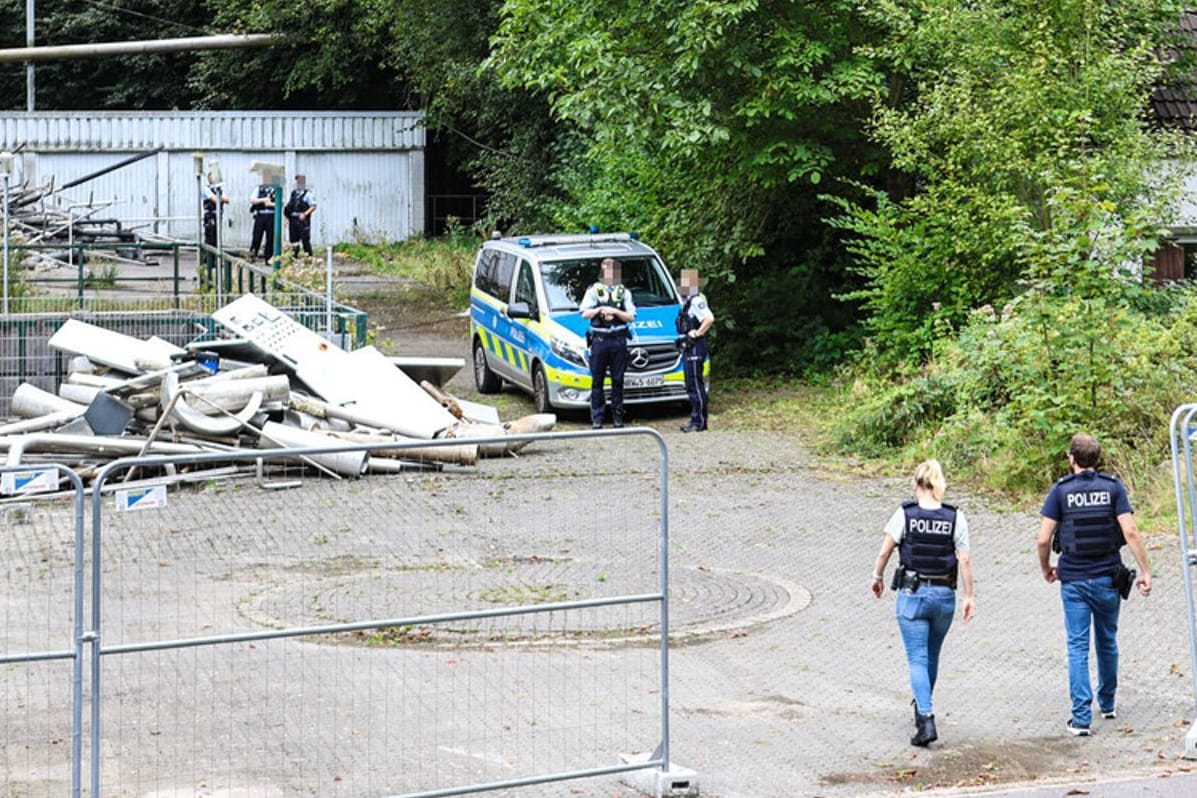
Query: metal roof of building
[[99, 131]]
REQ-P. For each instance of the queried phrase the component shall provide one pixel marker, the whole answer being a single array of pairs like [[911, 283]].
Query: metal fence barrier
[[1182, 430], [42, 638], [436, 632]]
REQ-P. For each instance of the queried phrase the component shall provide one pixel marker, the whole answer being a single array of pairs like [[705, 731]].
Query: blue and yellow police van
[[526, 328]]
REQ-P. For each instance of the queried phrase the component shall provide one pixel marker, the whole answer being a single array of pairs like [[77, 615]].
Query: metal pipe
[[64, 52], [30, 95], [7, 157], [55, 442]]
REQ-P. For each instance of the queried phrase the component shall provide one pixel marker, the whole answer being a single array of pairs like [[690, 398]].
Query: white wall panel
[[366, 168]]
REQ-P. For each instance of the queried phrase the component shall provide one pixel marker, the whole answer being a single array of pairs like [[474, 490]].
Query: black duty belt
[[913, 580], [604, 331]]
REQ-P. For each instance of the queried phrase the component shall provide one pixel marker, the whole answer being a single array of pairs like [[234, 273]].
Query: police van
[[526, 328]]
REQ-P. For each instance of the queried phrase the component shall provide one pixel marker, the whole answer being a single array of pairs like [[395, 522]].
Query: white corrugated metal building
[[365, 168]]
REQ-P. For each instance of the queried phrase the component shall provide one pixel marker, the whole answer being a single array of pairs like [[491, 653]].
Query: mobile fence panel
[[1182, 430], [41, 637], [441, 631]]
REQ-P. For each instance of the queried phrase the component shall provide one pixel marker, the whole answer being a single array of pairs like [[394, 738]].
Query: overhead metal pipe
[[63, 52]]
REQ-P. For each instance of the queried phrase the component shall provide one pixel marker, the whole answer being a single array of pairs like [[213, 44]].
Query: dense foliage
[[966, 194]]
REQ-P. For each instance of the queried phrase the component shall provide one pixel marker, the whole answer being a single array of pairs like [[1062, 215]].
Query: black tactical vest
[[265, 191], [928, 541], [298, 202], [684, 322], [1089, 528]]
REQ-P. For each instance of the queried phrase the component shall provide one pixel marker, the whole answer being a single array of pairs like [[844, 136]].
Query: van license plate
[[653, 381]]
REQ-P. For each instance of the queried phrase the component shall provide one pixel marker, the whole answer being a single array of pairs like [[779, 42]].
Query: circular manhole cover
[[472, 605]]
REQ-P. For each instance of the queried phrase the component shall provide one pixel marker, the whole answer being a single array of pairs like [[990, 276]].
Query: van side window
[[504, 272], [484, 278], [525, 288]]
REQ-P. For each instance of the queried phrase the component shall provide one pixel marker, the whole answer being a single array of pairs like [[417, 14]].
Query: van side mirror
[[519, 310]]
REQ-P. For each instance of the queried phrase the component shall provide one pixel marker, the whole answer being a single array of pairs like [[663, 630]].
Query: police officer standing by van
[[694, 320], [1087, 518], [933, 550], [609, 307]]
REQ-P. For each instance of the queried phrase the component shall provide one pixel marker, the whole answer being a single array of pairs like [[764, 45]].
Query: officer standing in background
[[609, 307], [1091, 518], [211, 196], [933, 549], [693, 321], [299, 210], [261, 205]]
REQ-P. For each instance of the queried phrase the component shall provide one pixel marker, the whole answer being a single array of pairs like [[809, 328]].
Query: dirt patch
[[975, 765]]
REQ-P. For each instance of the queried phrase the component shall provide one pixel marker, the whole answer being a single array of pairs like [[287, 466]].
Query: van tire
[[485, 380], [540, 390]]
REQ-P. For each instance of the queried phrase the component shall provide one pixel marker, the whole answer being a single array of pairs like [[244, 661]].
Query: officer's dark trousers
[[693, 359], [209, 258], [263, 229], [300, 234], [607, 353]]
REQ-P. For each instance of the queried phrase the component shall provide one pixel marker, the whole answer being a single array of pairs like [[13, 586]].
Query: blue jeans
[[924, 618], [1091, 602]]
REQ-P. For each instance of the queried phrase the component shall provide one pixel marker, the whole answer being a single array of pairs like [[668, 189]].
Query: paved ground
[[787, 677]]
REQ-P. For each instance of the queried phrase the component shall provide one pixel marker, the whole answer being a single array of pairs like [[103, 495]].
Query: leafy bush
[[1000, 400]]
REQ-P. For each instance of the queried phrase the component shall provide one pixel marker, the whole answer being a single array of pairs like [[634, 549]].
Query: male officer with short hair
[[1093, 518], [609, 307]]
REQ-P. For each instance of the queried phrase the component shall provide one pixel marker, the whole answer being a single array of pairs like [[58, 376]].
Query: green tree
[[1021, 126], [702, 119], [149, 81]]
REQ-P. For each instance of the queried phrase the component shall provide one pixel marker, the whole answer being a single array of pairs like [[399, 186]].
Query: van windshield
[[565, 282]]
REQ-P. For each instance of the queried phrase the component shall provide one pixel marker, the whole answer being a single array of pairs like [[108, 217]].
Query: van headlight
[[567, 351]]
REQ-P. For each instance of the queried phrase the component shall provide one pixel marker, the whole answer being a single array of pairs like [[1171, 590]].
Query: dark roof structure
[[1175, 105]]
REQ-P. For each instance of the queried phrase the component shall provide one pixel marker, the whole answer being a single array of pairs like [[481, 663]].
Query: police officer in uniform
[[261, 205], [932, 541], [211, 196], [694, 320], [609, 307], [299, 210], [1090, 518]]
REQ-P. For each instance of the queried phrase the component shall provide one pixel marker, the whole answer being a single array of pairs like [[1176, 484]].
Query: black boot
[[915, 707], [925, 733]]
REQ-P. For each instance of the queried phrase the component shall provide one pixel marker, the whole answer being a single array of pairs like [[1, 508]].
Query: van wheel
[[540, 390], [485, 380]]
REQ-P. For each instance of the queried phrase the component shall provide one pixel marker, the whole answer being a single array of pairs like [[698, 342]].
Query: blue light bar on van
[[554, 240]]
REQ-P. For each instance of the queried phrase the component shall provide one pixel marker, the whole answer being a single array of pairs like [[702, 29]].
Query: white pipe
[[350, 464], [48, 421], [176, 407], [29, 401], [461, 454], [90, 444], [63, 52]]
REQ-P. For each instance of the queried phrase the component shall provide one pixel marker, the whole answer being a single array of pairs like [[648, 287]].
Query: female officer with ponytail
[[933, 550]]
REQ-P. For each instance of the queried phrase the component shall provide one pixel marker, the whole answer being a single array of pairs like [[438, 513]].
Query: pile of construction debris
[[271, 384], [44, 217]]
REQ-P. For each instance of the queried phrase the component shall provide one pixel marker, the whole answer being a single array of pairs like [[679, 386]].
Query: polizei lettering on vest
[[1093, 498], [928, 526]]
